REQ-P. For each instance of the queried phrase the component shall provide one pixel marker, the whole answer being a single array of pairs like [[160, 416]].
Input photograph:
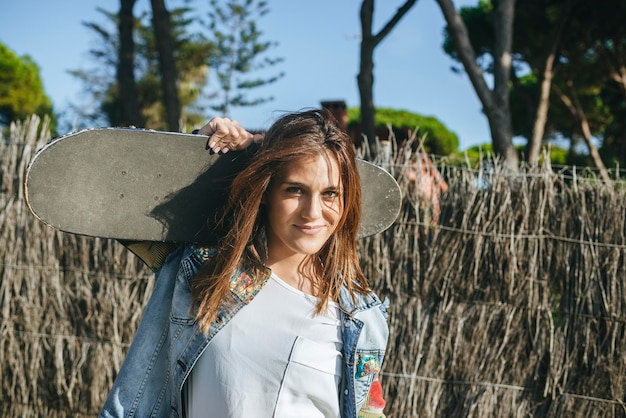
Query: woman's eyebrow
[[293, 183], [305, 186]]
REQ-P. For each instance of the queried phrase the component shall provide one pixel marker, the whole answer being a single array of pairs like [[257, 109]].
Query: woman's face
[[304, 205]]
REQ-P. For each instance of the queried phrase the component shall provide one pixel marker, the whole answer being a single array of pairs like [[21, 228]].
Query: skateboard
[[143, 185]]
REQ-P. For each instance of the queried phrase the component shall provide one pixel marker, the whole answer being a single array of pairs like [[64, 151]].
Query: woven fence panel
[[513, 303]]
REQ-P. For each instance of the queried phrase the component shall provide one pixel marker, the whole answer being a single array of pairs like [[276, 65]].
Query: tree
[[561, 69], [556, 23], [495, 101], [596, 75], [21, 89], [579, 102], [105, 92], [536, 49], [167, 64], [365, 78], [613, 148], [129, 97], [235, 33], [611, 54]]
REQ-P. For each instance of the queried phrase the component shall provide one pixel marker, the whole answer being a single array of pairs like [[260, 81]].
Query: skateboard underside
[[134, 184]]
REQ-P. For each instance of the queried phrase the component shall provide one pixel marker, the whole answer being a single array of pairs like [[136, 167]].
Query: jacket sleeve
[[153, 254], [375, 403]]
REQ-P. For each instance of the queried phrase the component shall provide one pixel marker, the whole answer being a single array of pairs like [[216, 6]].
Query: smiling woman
[[304, 207], [276, 318]]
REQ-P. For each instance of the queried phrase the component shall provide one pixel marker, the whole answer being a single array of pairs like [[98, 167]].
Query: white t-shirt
[[275, 358]]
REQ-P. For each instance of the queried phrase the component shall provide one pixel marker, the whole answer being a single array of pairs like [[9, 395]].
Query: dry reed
[[511, 305]]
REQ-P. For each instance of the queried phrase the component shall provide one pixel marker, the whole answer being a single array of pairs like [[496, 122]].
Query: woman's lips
[[310, 230]]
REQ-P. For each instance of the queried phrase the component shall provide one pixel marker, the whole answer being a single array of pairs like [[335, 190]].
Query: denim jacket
[[168, 343]]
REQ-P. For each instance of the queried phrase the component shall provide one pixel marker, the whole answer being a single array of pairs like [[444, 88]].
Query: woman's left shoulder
[[360, 302], [372, 300]]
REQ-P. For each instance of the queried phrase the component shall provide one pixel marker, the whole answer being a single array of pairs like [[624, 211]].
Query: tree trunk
[[616, 62], [495, 103], [129, 97], [502, 129], [167, 64], [541, 114], [365, 79]]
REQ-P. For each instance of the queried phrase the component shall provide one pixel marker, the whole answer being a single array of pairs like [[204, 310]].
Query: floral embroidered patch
[[366, 364], [244, 286]]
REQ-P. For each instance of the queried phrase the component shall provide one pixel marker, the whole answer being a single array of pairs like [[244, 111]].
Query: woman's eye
[[331, 194], [293, 190]]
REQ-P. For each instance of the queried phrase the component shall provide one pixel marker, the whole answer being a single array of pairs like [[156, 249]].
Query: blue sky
[[318, 40]]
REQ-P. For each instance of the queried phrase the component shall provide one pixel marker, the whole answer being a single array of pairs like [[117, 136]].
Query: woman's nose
[[312, 208]]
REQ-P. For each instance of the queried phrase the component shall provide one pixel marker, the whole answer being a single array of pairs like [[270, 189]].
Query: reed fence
[[507, 296]]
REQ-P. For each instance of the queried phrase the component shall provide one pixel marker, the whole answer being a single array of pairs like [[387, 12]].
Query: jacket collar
[[245, 287], [352, 304]]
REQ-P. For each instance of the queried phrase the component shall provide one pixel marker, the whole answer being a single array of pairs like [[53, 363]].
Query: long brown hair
[[291, 138]]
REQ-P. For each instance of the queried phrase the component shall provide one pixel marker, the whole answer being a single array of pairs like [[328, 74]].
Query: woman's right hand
[[226, 134]]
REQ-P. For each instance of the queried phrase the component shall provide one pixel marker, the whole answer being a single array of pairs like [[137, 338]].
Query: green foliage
[[239, 50], [558, 155], [437, 138], [21, 89]]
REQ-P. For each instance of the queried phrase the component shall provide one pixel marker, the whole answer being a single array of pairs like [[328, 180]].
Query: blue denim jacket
[[168, 343]]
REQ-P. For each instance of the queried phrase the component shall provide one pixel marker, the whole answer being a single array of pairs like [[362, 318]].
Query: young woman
[[276, 319]]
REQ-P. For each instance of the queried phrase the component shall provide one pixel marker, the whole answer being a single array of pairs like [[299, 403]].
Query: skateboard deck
[[142, 185]]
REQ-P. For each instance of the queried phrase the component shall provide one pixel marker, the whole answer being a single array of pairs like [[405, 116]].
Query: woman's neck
[[301, 274]]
